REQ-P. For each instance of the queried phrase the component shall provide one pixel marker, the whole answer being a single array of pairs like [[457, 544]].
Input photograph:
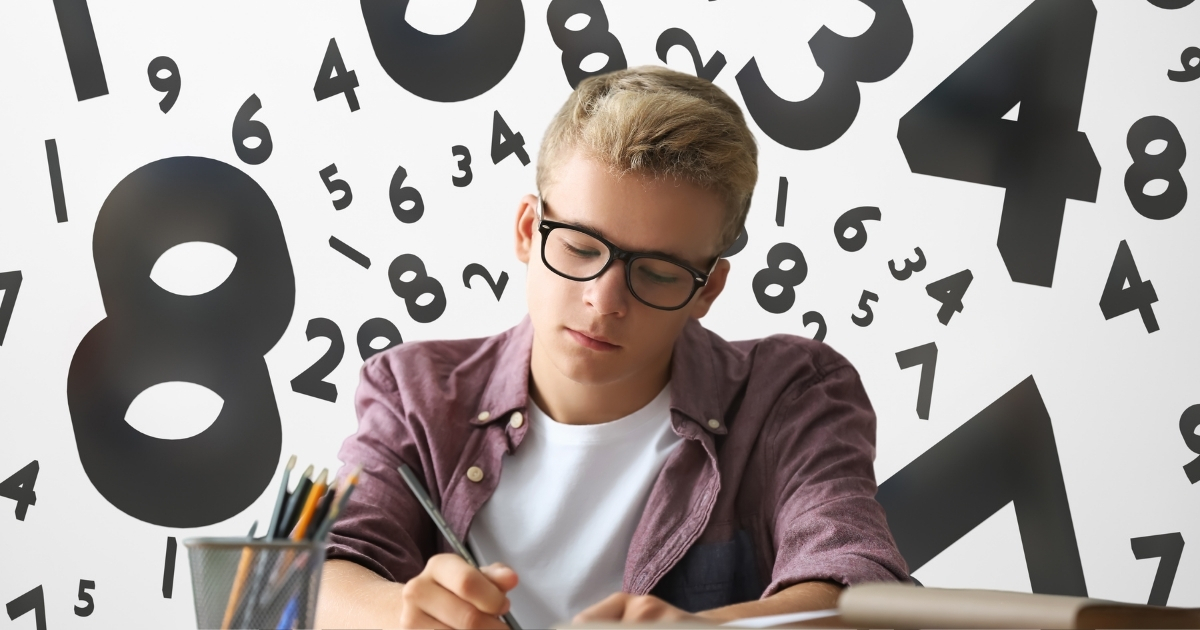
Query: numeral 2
[[476, 269]]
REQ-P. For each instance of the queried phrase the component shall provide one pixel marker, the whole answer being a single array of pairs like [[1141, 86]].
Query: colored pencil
[[277, 513], [310, 505], [339, 505], [292, 512], [239, 580]]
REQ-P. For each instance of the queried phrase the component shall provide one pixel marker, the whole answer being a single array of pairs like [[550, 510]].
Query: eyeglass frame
[[699, 278]]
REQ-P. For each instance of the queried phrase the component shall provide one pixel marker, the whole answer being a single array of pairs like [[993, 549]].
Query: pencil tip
[[321, 478], [308, 471], [291, 463]]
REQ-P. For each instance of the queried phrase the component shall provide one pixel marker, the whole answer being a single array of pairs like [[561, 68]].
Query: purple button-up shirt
[[772, 485]]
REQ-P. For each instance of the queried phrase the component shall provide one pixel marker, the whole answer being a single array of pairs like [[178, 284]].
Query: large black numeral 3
[[151, 336]]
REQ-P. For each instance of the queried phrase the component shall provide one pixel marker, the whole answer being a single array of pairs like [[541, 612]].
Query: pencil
[[292, 512], [339, 504], [310, 505], [323, 507], [277, 513], [414, 484], [239, 580]]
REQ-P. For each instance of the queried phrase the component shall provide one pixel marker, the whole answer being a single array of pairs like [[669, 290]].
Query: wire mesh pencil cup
[[241, 583]]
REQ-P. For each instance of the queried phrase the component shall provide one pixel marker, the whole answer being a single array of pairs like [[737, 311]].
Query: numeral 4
[[1040, 62], [950, 291], [19, 488], [334, 79], [1125, 290], [505, 142]]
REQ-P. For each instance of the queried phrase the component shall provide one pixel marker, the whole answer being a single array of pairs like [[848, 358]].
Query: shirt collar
[[694, 389]]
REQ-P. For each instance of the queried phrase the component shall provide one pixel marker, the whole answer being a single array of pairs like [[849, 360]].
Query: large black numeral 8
[[151, 336], [592, 38]]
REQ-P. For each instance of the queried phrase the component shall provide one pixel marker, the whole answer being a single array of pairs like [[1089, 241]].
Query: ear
[[709, 292], [526, 218]]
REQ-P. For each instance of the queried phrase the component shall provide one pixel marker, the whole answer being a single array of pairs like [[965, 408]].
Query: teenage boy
[[611, 458]]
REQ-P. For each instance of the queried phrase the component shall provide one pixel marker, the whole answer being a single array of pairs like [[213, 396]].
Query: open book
[[901, 605]]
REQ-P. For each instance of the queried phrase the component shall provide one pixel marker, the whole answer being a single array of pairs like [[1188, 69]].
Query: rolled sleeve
[[383, 527], [828, 524]]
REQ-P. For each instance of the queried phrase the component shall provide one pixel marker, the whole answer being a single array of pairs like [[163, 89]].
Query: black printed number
[[1039, 61], [334, 79], [419, 285], [673, 37], [1168, 548], [377, 328], [452, 67], [813, 317], [311, 382], [476, 269], [216, 340], [1190, 60], [1139, 295], [464, 164], [578, 45], [910, 266], [854, 220], [1188, 423], [402, 195], [89, 605], [10, 285], [1161, 166], [19, 488], [950, 291], [864, 304], [31, 601], [823, 117], [246, 130], [169, 84], [926, 357], [505, 142], [336, 185], [776, 275]]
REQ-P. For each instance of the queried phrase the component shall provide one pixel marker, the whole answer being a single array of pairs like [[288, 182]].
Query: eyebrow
[[593, 229]]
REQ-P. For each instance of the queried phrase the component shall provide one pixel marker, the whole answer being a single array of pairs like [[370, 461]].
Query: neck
[[570, 402]]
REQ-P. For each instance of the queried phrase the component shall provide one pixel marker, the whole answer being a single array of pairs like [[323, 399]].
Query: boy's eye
[[580, 250], [658, 277]]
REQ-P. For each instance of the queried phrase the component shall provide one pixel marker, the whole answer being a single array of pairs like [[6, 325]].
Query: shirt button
[[484, 415], [516, 420], [475, 473], [713, 423]]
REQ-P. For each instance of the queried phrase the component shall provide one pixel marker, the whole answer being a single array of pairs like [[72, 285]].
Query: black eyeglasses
[[655, 280]]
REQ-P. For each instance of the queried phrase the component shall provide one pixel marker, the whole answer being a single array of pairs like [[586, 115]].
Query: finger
[[502, 575], [611, 608], [468, 583], [446, 607], [416, 618]]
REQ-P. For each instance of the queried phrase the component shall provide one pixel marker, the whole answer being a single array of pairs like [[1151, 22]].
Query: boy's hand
[[450, 593], [626, 607]]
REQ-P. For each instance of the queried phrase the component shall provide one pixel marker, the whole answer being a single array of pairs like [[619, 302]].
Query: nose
[[608, 293]]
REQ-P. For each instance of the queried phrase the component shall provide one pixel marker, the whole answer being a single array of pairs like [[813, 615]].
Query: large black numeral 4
[[1039, 61]]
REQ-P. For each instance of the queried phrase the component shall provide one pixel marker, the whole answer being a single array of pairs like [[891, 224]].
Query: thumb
[[502, 575]]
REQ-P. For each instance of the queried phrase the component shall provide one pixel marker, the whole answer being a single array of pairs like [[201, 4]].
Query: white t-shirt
[[567, 504]]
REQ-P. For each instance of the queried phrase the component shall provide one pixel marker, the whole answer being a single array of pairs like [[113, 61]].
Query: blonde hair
[[654, 121]]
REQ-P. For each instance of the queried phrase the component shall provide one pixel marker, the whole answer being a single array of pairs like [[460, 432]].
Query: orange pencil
[[239, 580], [310, 505]]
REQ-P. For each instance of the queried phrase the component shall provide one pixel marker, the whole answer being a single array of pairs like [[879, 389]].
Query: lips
[[592, 341]]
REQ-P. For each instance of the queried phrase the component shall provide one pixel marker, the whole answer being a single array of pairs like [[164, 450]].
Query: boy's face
[[595, 332]]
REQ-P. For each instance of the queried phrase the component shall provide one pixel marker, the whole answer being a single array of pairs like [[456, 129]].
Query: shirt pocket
[[712, 575]]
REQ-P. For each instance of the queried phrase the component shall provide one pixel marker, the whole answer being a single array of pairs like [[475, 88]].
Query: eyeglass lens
[[580, 256]]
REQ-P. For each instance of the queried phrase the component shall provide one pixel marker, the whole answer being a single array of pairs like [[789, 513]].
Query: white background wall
[[1114, 391]]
